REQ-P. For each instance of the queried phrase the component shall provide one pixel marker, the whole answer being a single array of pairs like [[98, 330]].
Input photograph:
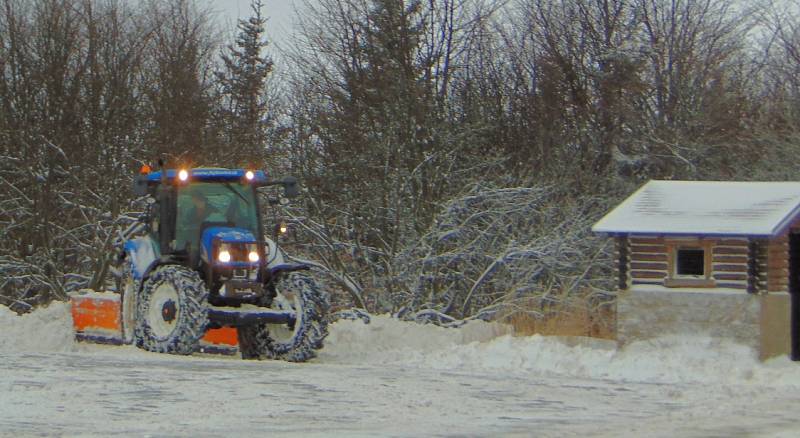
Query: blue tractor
[[203, 262]]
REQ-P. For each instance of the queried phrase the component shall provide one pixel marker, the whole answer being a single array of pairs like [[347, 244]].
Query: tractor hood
[[224, 235]]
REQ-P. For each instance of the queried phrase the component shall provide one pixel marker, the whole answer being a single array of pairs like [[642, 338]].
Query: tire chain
[[256, 343], [192, 316]]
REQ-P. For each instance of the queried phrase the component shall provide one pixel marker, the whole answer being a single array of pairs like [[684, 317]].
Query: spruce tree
[[242, 84]]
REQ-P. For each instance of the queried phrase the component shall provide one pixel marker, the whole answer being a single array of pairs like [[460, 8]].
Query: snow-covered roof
[[723, 208]]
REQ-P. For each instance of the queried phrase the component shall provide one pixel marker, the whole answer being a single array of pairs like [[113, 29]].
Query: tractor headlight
[[252, 253], [238, 253]]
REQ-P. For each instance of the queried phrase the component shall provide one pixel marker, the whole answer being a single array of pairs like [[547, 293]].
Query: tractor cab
[[217, 211], [198, 208]]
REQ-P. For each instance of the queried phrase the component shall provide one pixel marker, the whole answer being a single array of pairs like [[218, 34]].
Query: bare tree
[[179, 81], [73, 117], [693, 47]]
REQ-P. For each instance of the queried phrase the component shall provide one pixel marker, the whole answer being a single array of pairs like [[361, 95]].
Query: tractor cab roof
[[211, 174], [146, 182]]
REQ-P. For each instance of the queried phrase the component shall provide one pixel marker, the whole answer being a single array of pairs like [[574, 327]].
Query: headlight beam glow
[[224, 256]]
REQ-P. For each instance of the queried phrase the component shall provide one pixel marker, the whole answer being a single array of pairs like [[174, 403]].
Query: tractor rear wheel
[[297, 342], [171, 311]]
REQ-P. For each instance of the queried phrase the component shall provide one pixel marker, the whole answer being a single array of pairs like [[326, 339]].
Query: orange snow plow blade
[[96, 318]]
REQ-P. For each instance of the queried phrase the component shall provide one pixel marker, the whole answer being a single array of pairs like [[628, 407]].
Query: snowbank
[[478, 346], [671, 359], [387, 340], [47, 329]]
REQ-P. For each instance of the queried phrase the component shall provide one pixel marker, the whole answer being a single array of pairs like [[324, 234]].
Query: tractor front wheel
[[171, 311], [296, 342]]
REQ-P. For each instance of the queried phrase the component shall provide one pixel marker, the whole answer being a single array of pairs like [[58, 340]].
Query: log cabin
[[709, 258]]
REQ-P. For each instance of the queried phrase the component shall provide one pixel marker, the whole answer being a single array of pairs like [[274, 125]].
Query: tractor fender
[[161, 261], [276, 260], [275, 256], [141, 254]]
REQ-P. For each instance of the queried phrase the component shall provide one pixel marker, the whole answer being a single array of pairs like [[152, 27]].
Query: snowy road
[[407, 384]]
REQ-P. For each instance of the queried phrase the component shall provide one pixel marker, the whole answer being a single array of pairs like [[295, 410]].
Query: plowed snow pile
[[670, 359], [46, 329], [476, 346]]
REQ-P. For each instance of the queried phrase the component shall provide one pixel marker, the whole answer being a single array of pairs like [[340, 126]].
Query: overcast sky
[[279, 12]]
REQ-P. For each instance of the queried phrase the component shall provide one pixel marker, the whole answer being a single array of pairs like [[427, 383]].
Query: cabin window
[[689, 264]]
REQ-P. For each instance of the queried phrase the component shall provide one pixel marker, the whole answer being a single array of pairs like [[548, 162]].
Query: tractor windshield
[[225, 204]]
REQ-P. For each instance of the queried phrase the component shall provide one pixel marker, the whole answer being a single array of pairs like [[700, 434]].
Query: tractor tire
[[171, 311], [280, 341]]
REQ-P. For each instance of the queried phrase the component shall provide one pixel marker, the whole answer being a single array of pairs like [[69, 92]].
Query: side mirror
[[290, 187]]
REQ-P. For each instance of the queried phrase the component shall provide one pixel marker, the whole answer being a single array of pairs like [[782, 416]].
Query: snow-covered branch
[[493, 247]]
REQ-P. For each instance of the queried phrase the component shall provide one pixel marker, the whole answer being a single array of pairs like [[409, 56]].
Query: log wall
[[649, 261], [729, 263]]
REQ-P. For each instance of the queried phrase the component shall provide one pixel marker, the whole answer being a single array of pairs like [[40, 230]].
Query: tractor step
[[248, 314]]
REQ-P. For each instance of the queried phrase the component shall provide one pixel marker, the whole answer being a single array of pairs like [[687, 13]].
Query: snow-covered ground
[[394, 378]]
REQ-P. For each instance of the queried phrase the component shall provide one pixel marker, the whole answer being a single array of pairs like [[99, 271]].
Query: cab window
[[225, 204]]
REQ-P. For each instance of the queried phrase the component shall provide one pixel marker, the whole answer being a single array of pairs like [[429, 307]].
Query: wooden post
[[794, 321]]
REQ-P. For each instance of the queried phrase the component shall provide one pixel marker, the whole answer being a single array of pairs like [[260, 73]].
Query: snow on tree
[[494, 247]]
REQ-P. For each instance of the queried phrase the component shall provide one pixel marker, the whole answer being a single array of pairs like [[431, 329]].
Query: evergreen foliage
[[242, 84]]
